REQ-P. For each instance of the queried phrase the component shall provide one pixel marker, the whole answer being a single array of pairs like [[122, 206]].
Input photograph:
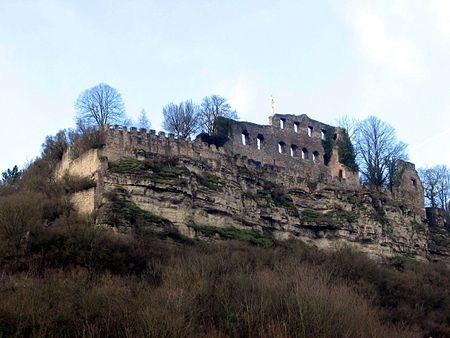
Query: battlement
[[119, 142]]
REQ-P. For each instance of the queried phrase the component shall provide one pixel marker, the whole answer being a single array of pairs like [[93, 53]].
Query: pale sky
[[325, 58]]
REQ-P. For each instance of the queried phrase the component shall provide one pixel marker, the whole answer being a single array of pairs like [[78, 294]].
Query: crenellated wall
[[122, 142]]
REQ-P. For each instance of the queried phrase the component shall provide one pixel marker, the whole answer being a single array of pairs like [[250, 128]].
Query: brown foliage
[[222, 289]]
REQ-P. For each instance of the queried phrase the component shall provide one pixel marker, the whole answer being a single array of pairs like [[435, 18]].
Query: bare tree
[[436, 186], [143, 121], [98, 106], [182, 119], [211, 108], [350, 124], [378, 149]]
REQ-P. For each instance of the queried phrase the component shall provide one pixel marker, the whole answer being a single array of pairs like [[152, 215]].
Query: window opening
[[259, 141], [304, 154], [293, 150], [310, 131], [244, 137], [281, 147], [315, 156]]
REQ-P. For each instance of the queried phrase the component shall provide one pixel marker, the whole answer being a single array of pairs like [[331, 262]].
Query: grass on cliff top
[[250, 236], [210, 181], [159, 170], [127, 165]]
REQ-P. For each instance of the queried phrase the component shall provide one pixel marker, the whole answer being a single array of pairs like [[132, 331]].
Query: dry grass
[[203, 290]]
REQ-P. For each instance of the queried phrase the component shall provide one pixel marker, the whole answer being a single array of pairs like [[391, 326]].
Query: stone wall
[[439, 241], [408, 187], [293, 142]]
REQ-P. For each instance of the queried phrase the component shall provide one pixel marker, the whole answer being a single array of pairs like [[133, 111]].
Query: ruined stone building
[[277, 179]]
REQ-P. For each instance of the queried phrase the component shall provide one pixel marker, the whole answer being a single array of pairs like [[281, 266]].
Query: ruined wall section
[[89, 165], [292, 142], [439, 227], [120, 142], [408, 188]]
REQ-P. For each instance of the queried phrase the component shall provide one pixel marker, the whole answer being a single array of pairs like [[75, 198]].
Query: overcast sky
[[325, 58]]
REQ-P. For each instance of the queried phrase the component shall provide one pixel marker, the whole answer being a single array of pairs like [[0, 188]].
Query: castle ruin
[[322, 201]]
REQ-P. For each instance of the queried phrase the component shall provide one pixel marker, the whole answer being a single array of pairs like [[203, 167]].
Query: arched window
[[322, 134], [244, 137], [259, 141], [315, 156], [282, 147], [296, 126], [282, 122], [310, 131], [304, 154], [293, 150]]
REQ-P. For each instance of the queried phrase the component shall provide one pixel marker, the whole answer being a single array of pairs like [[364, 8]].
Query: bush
[[82, 141], [72, 184], [19, 214]]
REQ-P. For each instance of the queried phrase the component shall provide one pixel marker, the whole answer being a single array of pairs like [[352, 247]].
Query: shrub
[[19, 214], [72, 184], [347, 154], [84, 140]]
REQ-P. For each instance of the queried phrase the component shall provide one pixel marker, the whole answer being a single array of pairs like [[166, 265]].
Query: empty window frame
[[322, 134], [282, 147], [259, 141], [293, 150], [244, 137], [304, 154], [315, 156], [310, 131], [296, 127], [282, 123]]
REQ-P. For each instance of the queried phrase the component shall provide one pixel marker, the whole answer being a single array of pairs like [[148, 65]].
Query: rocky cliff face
[[232, 192], [439, 239]]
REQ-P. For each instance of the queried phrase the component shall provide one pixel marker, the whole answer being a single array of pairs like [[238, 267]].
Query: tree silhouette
[[98, 106]]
